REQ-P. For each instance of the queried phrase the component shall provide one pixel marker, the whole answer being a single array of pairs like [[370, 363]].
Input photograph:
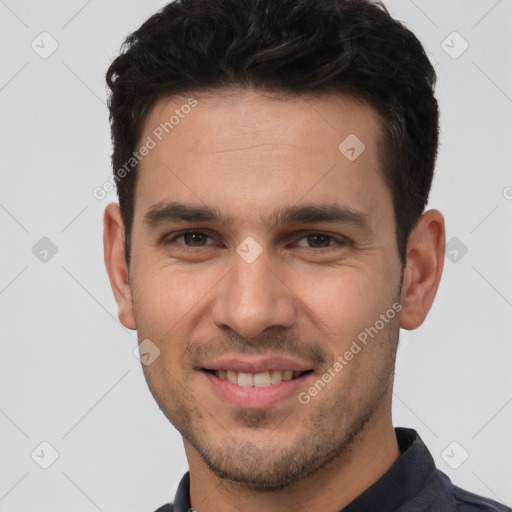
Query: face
[[263, 250]]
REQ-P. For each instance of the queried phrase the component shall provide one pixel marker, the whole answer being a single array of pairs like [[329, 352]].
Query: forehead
[[239, 147]]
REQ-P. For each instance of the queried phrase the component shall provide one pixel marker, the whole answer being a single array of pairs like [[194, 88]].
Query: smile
[[260, 379]]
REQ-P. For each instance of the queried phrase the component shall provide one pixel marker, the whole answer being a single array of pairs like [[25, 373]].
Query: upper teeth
[[259, 380]]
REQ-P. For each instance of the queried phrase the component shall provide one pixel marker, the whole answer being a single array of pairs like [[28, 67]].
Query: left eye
[[318, 240]]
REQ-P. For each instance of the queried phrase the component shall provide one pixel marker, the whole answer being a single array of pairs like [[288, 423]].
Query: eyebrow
[[172, 211]]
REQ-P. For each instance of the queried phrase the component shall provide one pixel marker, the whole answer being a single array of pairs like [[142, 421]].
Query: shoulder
[[443, 494], [469, 502], [168, 507]]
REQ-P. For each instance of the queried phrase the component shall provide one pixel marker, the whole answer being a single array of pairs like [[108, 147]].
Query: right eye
[[190, 239]]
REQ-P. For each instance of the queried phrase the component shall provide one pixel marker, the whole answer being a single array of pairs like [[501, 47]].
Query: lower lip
[[252, 397]]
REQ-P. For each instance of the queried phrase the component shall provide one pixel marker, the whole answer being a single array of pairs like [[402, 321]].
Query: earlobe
[[115, 263], [423, 269]]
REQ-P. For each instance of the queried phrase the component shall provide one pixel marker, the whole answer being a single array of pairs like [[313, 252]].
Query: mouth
[[262, 379]]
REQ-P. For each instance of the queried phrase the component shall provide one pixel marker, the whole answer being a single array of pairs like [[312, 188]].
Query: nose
[[254, 297]]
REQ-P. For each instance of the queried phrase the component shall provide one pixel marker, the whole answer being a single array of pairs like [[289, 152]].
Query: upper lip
[[256, 365]]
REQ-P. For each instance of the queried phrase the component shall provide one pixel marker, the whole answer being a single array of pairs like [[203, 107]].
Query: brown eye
[[195, 238], [190, 239], [320, 241]]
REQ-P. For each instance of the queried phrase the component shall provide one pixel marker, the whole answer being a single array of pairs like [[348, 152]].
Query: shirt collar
[[404, 480], [399, 485]]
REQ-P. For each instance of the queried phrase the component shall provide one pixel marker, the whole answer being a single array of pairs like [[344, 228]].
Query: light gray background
[[68, 374]]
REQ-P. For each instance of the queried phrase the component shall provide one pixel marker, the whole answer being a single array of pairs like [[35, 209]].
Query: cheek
[[164, 298], [343, 303]]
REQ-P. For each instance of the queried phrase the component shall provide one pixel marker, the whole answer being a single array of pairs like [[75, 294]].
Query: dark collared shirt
[[412, 484]]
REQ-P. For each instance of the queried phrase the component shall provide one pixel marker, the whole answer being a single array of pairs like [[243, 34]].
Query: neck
[[372, 453]]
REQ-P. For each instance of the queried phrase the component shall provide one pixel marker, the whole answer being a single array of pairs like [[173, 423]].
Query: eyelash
[[172, 241]]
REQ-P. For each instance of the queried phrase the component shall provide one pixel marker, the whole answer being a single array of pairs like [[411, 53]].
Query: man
[[273, 161]]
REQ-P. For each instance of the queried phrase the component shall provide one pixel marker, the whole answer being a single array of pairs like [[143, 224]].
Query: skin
[[249, 154]]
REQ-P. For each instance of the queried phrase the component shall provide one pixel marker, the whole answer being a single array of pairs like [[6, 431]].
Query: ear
[[115, 262], [423, 269]]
